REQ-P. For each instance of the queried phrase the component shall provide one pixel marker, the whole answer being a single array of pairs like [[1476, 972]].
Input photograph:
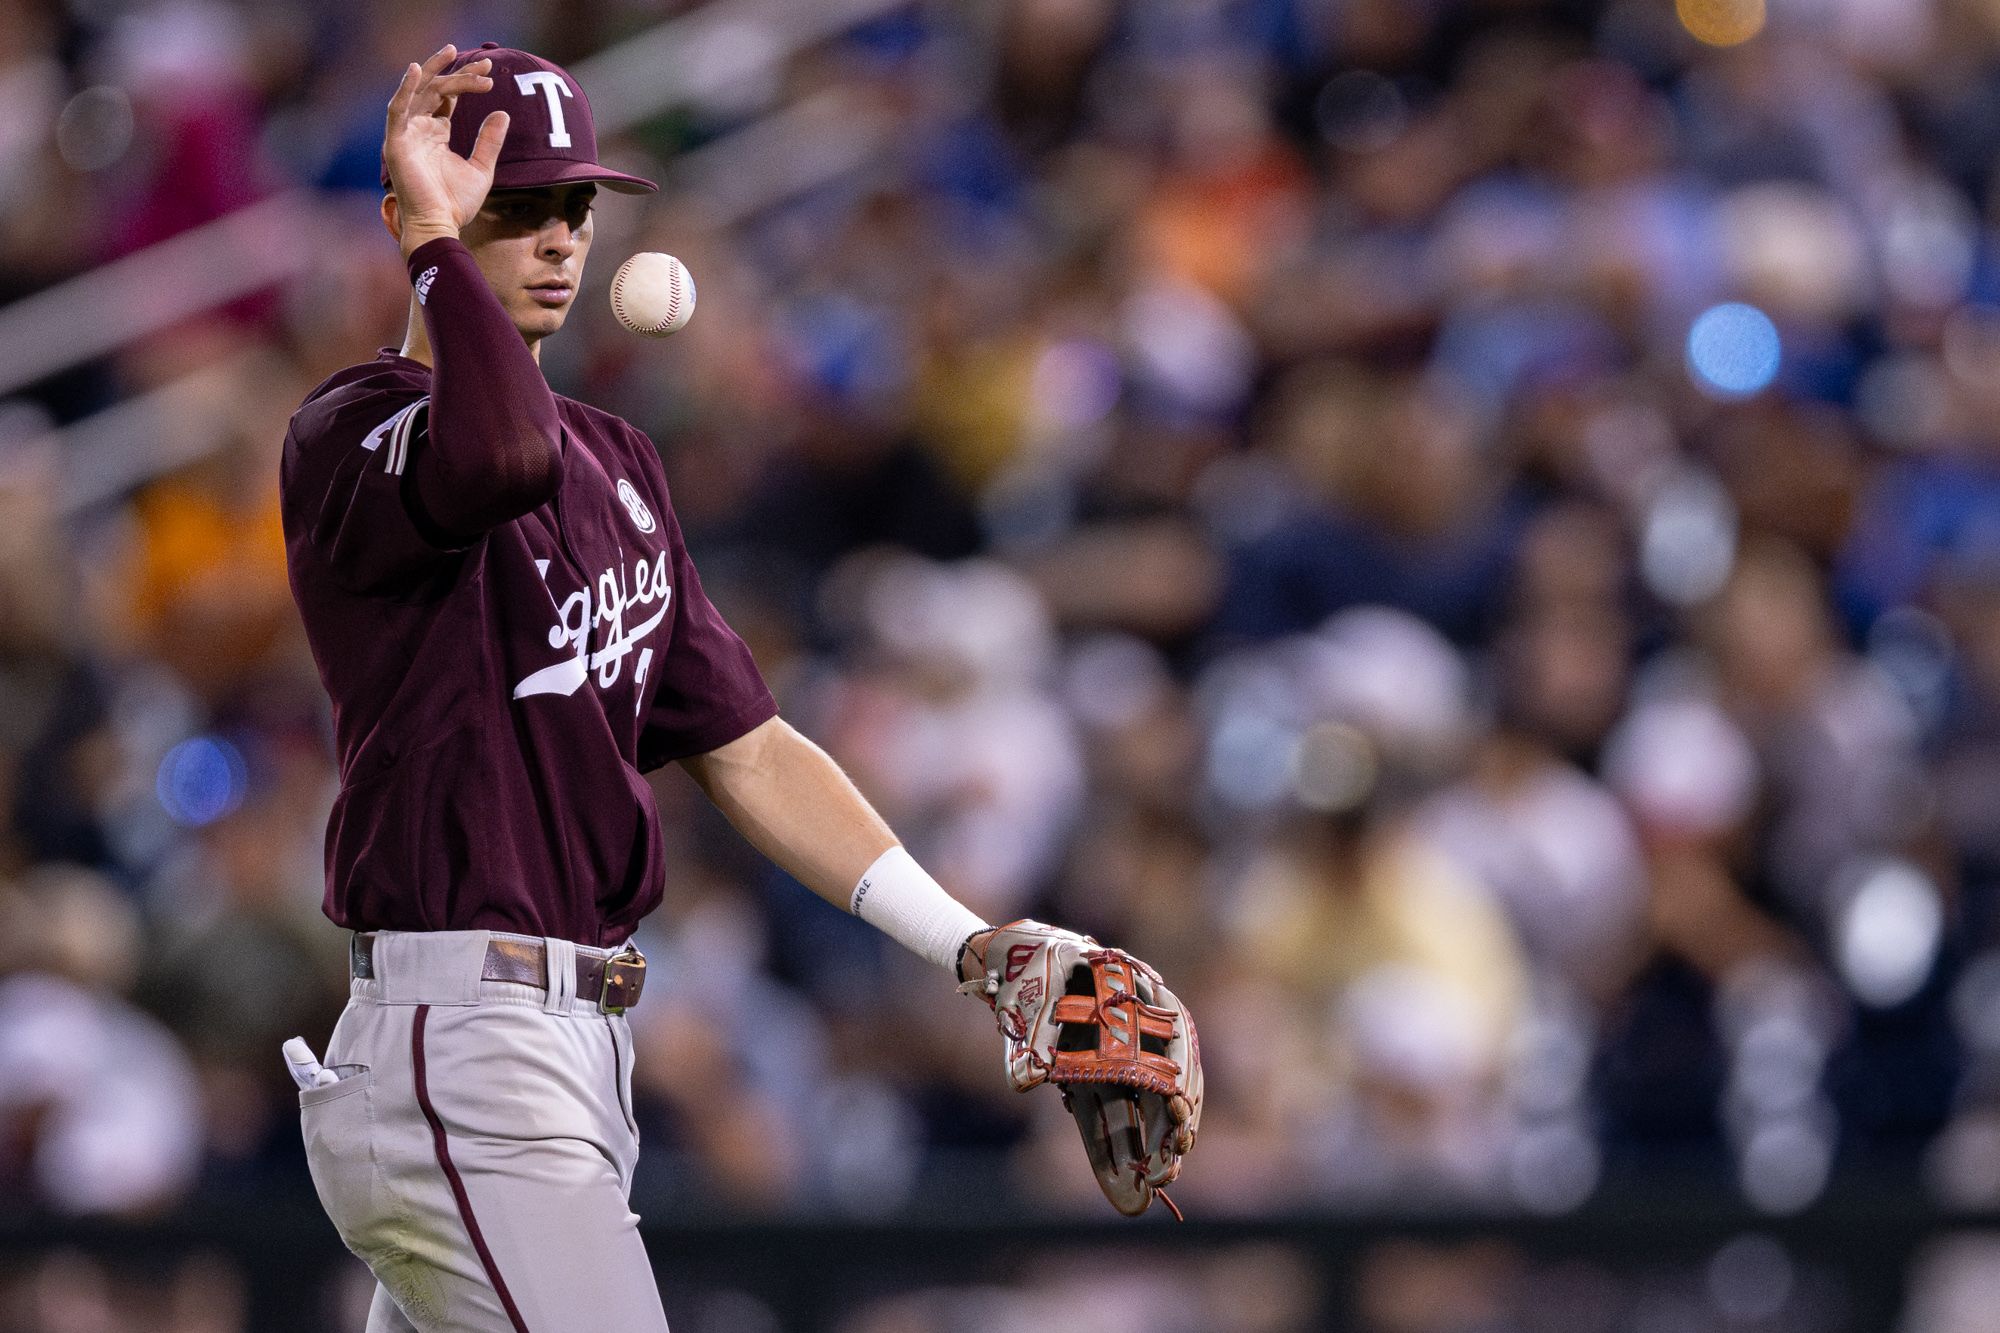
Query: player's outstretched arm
[[1134, 1088], [788, 797]]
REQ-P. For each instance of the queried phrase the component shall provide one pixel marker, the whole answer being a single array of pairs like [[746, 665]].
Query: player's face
[[531, 245]]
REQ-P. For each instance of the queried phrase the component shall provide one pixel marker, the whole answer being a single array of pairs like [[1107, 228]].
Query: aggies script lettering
[[617, 592]]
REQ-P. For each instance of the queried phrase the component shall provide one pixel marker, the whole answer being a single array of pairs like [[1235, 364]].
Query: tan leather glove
[[1103, 1027]]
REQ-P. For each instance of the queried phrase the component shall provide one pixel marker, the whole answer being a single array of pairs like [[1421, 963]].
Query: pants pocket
[[345, 1151], [338, 1122]]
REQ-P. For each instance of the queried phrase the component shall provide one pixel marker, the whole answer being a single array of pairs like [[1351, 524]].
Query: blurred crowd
[[1230, 476]]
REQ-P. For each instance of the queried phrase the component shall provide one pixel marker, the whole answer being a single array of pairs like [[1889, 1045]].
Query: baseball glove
[[1103, 1027]]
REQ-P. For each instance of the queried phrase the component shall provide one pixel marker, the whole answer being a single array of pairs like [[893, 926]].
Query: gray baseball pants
[[477, 1152]]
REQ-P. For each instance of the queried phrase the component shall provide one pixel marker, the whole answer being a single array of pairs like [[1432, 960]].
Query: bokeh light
[[1250, 762], [201, 780], [1750, 1278], [1076, 383], [1785, 1164], [1733, 350], [1554, 1168], [1721, 22], [1333, 767], [95, 128], [1890, 932], [1687, 545]]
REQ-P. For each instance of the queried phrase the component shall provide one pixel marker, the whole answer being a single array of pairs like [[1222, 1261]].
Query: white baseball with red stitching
[[652, 294]]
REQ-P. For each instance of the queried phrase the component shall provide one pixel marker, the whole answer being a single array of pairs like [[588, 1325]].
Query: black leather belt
[[612, 983]]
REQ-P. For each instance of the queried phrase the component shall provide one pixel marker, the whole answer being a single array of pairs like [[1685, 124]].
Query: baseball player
[[505, 616]]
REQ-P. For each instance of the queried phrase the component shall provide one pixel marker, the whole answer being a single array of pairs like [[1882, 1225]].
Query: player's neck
[[417, 340]]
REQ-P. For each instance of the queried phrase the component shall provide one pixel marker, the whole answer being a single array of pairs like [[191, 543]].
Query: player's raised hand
[[438, 191]]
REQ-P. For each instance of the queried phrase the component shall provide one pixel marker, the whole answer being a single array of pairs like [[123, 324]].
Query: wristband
[[898, 898]]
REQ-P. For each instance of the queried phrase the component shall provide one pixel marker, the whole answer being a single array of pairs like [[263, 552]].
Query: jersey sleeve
[[496, 443], [346, 494], [710, 690]]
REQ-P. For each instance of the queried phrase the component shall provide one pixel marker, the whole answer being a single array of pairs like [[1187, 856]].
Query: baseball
[[653, 294]]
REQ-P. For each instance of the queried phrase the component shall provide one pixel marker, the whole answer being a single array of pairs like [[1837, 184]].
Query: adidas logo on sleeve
[[424, 281]]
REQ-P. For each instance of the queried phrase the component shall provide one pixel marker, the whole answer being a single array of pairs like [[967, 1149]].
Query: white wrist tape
[[898, 898]]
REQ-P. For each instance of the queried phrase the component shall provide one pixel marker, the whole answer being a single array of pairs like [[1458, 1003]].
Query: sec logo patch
[[636, 507]]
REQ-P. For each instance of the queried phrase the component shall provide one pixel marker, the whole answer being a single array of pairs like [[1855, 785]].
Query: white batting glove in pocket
[[305, 1067]]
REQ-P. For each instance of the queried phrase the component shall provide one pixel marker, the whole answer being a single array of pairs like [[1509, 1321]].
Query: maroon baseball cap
[[550, 138]]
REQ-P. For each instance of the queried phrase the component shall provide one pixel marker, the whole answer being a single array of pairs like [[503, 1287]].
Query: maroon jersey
[[497, 693]]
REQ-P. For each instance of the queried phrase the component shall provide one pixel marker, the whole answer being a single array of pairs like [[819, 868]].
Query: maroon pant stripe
[[451, 1174]]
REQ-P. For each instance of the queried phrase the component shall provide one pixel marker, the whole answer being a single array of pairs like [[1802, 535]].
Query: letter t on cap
[[549, 82]]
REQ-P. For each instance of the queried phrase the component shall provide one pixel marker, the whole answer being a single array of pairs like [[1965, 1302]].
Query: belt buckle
[[624, 978]]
